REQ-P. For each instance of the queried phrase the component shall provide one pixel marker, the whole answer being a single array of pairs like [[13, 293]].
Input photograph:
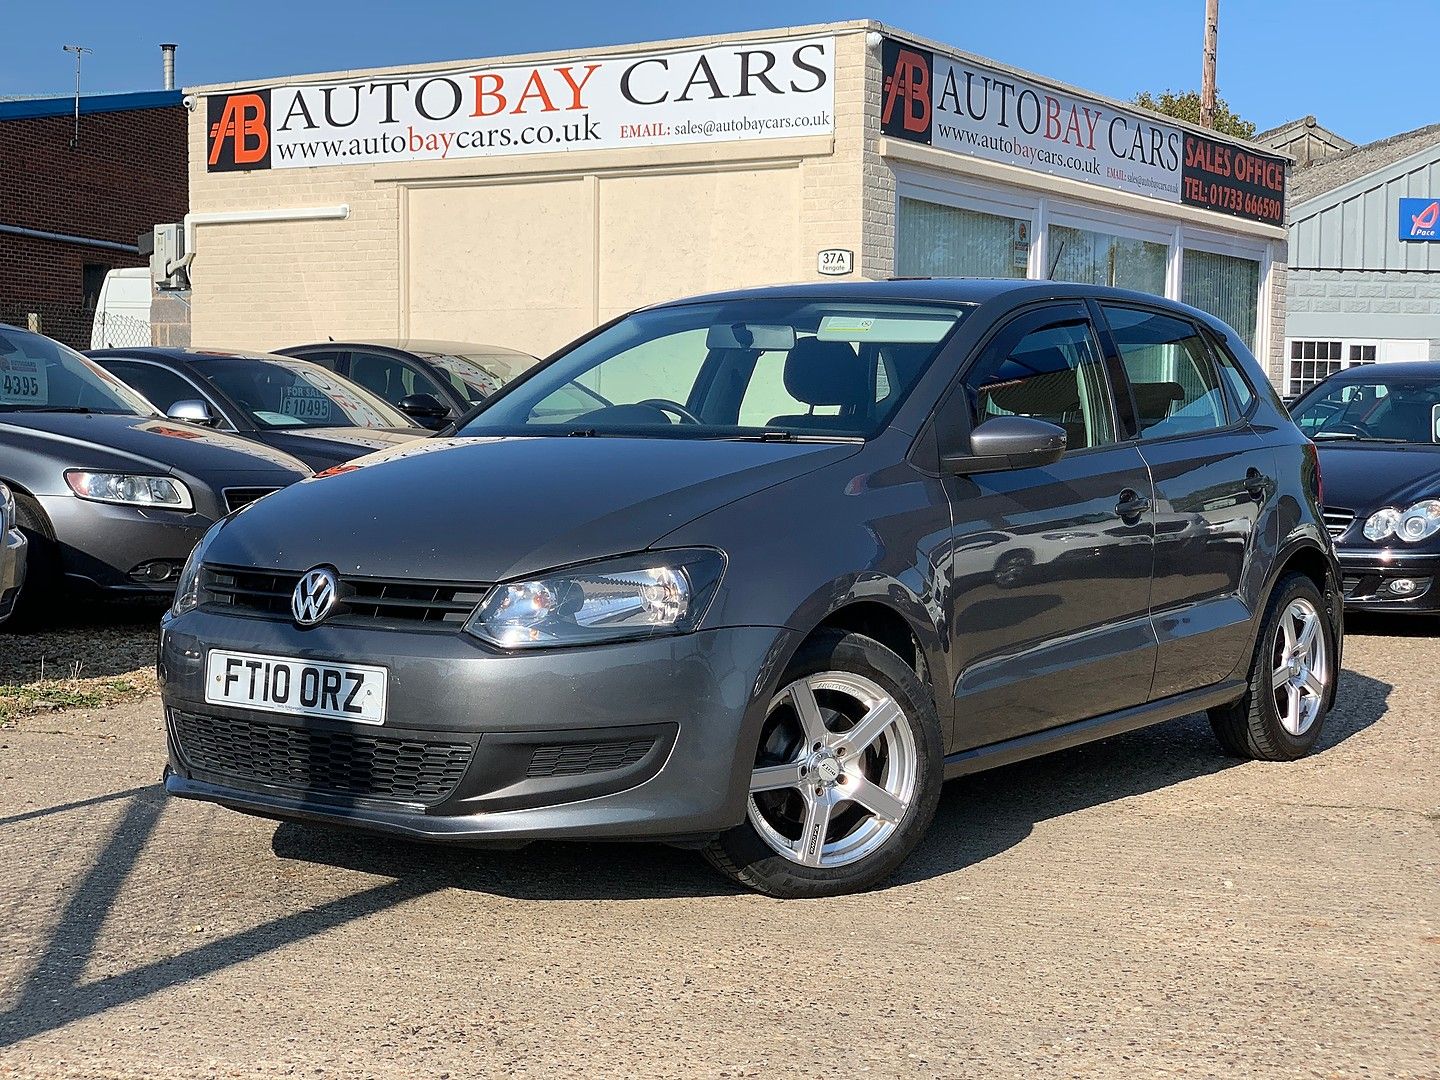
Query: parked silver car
[[12, 554], [110, 494]]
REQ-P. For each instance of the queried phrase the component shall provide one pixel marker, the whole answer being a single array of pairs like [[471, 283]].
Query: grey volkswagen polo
[[756, 572]]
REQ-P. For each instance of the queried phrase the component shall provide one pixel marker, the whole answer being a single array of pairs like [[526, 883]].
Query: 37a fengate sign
[[966, 107], [746, 90]]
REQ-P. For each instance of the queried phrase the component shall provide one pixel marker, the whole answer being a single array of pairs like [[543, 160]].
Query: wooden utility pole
[[1207, 75]]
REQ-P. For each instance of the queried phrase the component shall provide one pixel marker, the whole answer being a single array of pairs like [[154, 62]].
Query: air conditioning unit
[[165, 245]]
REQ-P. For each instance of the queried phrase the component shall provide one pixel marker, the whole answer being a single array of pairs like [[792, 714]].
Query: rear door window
[[1171, 370]]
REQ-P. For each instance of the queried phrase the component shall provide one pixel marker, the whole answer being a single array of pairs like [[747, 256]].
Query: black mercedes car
[[432, 382], [293, 405], [1378, 430]]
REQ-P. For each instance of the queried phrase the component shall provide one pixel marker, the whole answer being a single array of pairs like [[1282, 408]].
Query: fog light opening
[[156, 571]]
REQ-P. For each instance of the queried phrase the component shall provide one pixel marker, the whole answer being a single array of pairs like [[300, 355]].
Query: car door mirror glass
[[193, 411], [1009, 442]]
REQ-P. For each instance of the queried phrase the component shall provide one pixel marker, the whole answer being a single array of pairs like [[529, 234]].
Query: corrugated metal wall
[[1356, 227]]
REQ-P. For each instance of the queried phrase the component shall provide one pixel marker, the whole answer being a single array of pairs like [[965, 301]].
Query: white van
[[122, 313]]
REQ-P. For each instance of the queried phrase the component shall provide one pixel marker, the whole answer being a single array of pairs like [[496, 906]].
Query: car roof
[[418, 345], [181, 356], [951, 290], [1424, 369]]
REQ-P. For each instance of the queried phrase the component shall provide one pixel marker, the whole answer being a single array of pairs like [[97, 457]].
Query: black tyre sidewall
[[743, 854]]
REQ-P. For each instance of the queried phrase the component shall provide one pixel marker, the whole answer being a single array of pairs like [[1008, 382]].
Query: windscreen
[[478, 375], [1386, 409], [41, 375], [278, 393], [820, 368]]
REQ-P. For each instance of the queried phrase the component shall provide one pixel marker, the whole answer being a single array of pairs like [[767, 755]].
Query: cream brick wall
[[268, 285]]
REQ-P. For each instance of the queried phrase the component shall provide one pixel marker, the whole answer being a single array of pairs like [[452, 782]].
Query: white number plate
[[296, 687]]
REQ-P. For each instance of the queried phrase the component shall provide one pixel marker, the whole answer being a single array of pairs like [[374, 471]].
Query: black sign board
[[1233, 180]]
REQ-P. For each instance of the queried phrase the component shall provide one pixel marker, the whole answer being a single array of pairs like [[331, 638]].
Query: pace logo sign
[[966, 107], [764, 90], [1420, 219]]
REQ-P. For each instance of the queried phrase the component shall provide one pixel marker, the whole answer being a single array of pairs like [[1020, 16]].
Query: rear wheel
[[846, 777], [1291, 677]]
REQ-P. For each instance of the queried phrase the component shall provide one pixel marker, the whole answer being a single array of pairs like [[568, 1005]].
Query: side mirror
[[1008, 442], [194, 411], [423, 407]]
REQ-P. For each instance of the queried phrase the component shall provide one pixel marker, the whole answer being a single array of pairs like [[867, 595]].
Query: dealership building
[[521, 200]]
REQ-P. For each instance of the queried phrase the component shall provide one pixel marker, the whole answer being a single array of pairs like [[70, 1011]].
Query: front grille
[[238, 497], [1337, 520], [320, 762], [574, 759], [363, 600]]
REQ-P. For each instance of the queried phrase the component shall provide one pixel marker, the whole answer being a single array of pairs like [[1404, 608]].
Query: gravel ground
[[1139, 908], [101, 654]]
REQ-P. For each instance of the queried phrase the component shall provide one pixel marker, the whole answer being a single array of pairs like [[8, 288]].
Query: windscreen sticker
[[23, 380]]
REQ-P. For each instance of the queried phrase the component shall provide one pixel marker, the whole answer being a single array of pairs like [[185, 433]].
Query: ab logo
[[239, 126], [906, 95]]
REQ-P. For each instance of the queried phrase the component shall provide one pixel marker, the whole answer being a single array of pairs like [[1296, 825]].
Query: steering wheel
[[666, 405]]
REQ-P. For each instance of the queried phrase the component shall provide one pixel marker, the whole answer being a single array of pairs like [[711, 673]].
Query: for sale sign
[[767, 90]]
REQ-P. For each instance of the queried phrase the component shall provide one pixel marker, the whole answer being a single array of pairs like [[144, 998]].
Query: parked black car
[[293, 405], [12, 554], [433, 382], [110, 495], [762, 598], [1378, 430]]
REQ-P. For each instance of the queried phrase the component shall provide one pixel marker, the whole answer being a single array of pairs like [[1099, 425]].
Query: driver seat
[[819, 373]]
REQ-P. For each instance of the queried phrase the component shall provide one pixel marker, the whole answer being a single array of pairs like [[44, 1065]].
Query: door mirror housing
[[1008, 442], [194, 411], [423, 407]]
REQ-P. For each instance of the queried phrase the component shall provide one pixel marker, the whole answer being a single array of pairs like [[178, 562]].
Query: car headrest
[[826, 373], [1154, 399]]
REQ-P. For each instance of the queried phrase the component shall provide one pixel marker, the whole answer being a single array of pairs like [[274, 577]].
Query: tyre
[[847, 774], [36, 602], [1291, 679]]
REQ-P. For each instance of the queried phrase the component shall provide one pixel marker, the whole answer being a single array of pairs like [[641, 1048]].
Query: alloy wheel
[[836, 770], [1301, 667]]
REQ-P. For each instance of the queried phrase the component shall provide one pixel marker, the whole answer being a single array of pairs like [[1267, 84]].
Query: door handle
[[1131, 505], [1255, 484]]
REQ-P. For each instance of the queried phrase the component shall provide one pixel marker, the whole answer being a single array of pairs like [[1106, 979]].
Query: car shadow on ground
[[979, 817], [80, 638]]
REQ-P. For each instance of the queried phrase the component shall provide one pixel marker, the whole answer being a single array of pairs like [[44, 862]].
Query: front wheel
[[1292, 677], [846, 777]]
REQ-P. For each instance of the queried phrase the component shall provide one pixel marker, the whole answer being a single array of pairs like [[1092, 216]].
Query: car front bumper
[[1377, 580], [12, 569], [102, 546], [651, 739]]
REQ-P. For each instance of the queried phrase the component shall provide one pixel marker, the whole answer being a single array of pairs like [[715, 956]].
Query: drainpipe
[[251, 217]]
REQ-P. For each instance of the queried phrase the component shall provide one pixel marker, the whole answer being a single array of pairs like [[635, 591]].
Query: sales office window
[[947, 241], [1096, 258]]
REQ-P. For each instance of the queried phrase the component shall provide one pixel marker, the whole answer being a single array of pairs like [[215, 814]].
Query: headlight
[[7, 511], [127, 490], [1419, 522], [187, 586], [1381, 523], [665, 592]]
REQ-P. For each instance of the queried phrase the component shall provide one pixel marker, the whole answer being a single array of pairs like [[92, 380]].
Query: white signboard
[[835, 262], [969, 108], [763, 90]]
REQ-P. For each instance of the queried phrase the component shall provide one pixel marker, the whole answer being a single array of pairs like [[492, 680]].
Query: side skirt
[[1084, 731]]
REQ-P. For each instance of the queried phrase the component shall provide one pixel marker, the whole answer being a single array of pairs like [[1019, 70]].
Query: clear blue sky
[[1355, 64]]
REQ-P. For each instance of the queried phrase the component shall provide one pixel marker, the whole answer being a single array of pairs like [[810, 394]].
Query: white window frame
[[1043, 210], [1385, 348]]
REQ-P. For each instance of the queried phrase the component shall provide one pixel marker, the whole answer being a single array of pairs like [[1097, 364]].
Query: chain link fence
[[72, 324]]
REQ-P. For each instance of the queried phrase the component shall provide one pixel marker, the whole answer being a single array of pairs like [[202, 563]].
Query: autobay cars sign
[[764, 90], [970, 108]]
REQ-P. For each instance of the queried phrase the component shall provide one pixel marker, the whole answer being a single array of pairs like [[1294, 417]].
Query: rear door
[[1213, 477], [1049, 566]]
